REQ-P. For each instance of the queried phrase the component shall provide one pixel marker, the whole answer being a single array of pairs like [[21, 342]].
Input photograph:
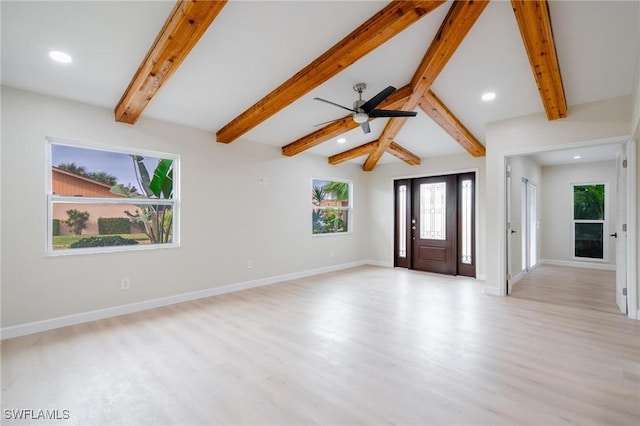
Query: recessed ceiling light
[[58, 56], [576, 157], [489, 96], [341, 140]]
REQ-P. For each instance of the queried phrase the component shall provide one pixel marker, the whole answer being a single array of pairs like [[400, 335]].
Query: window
[[331, 206], [589, 220], [402, 223], [466, 226], [102, 199], [433, 211]]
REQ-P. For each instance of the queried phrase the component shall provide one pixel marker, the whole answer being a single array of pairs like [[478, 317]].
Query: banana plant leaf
[[162, 181], [144, 174]]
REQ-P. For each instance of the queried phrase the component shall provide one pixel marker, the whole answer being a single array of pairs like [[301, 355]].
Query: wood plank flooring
[[568, 286], [367, 345]]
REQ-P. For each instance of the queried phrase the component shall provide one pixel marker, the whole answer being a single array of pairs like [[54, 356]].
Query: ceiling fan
[[363, 110]]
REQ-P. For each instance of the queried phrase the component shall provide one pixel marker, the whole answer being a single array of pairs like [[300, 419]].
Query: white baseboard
[[481, 277], [493, 291], [517, 278], [379, 263], [74, 319], [577, 264]]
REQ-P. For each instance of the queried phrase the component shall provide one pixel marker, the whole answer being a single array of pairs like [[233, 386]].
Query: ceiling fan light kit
[[363, 110], [360, 117]]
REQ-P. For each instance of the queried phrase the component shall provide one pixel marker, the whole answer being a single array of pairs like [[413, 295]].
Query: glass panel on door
[[433, 217]]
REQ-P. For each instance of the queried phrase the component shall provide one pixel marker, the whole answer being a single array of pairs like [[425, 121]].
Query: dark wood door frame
[[406, 261]]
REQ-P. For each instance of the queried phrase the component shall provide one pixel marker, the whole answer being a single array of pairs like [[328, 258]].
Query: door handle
[[614, 235]]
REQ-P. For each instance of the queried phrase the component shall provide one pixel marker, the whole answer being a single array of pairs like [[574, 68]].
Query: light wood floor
[[367, 345], [567, 286]]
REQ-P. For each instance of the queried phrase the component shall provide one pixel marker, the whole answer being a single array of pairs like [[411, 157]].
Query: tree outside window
[[589, 220], [331, 206], [110, 198]]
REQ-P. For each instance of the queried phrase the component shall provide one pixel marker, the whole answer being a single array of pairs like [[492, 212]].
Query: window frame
[[604, 222], [53, 198], [348, 208]]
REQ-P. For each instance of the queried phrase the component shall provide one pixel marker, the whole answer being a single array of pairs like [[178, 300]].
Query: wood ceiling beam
[[534, 22], [394, 149], [187, 22], [394, 101], [459, 20], [385, 24], [434, 108], [403, 154], [353, 153]]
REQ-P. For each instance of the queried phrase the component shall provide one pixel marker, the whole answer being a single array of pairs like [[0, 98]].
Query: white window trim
[[605, 224], [349, 208], [51, 198]]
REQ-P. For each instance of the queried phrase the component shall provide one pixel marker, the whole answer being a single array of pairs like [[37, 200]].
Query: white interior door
[[532, 225], [510, 231], [529, 225], [621, 231]]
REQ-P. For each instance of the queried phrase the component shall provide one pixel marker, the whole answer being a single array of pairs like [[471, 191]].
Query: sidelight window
[[402, 224], [466, 212]]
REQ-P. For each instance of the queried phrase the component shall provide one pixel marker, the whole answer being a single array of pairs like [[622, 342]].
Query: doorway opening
[[561, 226], [435, 224]]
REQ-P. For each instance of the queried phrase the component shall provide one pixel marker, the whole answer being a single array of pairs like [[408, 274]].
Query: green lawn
[[64, 241]]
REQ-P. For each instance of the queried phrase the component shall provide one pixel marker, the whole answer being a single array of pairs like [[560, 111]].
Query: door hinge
[[624, 163], [624, 291], [624, 227], [508, 173], [509, 277]]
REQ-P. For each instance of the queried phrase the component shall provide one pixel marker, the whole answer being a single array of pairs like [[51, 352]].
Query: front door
[[435, 224]]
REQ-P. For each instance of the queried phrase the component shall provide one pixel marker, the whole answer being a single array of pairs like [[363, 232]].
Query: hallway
[[567, 286]]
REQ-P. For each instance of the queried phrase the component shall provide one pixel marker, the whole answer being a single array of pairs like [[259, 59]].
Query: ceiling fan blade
[[375, 101], [378, 113], [328, 122], [365, 127], [334, 104]]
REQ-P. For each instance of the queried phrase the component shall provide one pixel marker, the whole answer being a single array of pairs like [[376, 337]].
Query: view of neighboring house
[[73, 185]]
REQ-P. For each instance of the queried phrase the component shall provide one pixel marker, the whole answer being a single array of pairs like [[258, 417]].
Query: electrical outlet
[[249, 263], [125, 283]]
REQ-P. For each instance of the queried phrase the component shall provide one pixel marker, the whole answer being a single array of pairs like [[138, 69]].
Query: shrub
[[113, 225], [56, 227], [77, 220], [114, 240]]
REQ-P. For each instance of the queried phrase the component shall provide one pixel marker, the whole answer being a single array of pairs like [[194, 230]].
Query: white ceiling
[[586, 154], [254, 46]]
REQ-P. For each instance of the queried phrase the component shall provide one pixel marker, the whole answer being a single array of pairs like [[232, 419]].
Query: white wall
[[226, 216], [381, 200], [521, 167], [635, 117], [557, 211], [593, 121], [635, 131]]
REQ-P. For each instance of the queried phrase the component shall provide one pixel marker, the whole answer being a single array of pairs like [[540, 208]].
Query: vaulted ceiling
[[248, 71]]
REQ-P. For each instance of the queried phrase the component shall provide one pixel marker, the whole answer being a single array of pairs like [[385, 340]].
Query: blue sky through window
[[117, 164]]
